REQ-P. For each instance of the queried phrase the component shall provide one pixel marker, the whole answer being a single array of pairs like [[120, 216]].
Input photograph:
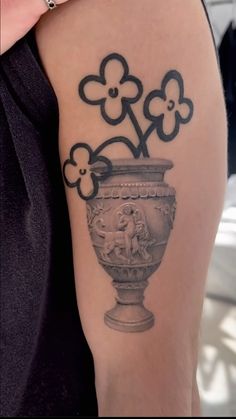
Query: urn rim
[[150, 165]]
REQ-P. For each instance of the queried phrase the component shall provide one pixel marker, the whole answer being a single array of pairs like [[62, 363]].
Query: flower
[[168, 108], [78, 170], [113, 89]]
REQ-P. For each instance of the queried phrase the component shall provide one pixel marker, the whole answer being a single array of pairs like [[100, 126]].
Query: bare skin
[[152, 373], [18, 17]]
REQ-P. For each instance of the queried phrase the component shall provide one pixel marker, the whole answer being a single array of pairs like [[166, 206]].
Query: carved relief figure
[[144, 241], [130, 237]]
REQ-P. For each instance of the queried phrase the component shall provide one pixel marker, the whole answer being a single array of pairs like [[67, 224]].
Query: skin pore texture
[[143, 150]]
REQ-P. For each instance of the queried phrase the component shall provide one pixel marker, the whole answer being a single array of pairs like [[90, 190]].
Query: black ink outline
[[142, 147], [125, 102], [93, 158], [126, 110], [171, 105], [158, 120], [119, 139]]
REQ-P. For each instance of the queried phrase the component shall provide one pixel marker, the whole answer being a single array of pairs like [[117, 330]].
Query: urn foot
[[129, 318]]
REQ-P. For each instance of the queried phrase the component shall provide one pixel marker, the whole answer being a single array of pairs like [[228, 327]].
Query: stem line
[[142, 147], [145, 138], [119, 139]]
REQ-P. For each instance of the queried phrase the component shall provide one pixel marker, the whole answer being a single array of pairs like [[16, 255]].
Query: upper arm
[[126, 232]]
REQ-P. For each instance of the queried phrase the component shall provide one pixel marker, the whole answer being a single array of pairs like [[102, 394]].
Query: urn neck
[[143, 170]]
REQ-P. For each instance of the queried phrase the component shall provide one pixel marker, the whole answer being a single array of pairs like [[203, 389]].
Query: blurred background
[[217, 368]]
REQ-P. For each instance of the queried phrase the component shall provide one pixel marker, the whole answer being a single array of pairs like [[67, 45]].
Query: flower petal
[[102, 167], [171, 105], [129, 89], [113, 109], [79, 170], [86, 185], [114, 71], [157, 106], [172, 91], [184, 110], [71, 174], [81, 156], [94, 91], [169, 123]]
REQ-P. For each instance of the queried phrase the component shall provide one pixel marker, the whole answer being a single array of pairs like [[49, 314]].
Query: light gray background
[[217, 367]]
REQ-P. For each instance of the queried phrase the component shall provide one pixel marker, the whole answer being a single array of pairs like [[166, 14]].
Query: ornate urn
[[130, 208], [130, 220]]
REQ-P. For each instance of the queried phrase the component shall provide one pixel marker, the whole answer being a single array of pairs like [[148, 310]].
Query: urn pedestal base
[[129, 313], [129, 318]]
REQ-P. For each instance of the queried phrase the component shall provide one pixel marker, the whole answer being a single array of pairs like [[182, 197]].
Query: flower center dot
[[171, 105], [82, 171], [113, 92]]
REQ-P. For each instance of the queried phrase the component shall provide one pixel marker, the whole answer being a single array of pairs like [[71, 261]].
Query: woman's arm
[[147, 367]]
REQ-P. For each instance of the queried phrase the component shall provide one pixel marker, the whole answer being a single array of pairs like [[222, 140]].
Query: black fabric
[[46, 365], [227, 53]]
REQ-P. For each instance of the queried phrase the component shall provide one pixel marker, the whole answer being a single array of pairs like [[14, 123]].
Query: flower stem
[[119, 139], [142, 147]]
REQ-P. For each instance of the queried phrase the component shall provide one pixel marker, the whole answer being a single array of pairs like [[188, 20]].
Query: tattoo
[[130, 208]]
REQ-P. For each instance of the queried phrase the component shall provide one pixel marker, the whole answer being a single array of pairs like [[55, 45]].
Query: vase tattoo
[[130, 208]]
